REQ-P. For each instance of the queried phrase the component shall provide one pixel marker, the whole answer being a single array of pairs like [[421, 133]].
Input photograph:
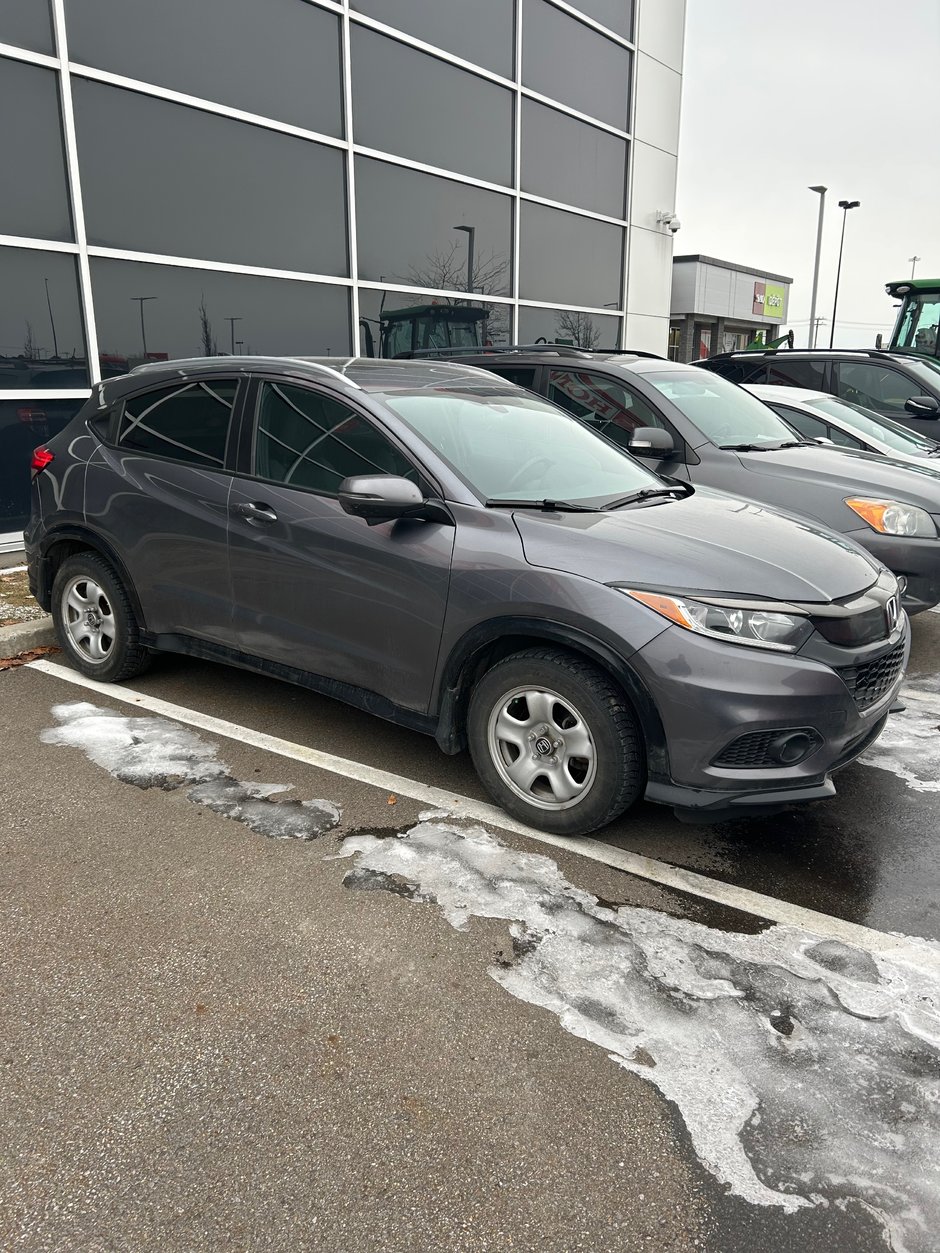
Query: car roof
[[576, 359], [779, 391], [879, 354], [360, 373]]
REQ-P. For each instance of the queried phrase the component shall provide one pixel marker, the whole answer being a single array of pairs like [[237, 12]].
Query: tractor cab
[[918, 317], [426, 327]]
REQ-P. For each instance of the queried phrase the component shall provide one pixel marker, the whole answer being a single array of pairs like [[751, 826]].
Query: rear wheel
[[555, 742], [94, 620]]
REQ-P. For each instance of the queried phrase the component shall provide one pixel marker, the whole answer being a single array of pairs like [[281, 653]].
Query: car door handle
[[252, 512]]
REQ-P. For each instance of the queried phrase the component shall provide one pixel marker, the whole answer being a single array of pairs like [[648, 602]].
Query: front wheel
[[94, 620], [555, 742]]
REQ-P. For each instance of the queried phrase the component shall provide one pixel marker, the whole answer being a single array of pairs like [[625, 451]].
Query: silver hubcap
[[89, 619], [542, 748]]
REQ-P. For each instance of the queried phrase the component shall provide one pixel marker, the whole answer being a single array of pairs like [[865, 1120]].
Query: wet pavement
[[209, 1039]]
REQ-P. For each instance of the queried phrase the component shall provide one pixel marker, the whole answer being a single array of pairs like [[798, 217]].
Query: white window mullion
[[351, 232], [75, 188]]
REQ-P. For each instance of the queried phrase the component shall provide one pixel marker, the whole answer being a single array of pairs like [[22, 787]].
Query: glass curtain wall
[[162, 198]]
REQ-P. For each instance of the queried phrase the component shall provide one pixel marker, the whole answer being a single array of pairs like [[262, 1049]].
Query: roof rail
[[239, 362], [558, 350]]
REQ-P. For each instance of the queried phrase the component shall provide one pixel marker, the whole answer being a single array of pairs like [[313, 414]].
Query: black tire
[[122, 656], [618, 775]]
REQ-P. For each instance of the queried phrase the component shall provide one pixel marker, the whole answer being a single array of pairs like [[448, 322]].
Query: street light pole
[[231, 322], [470, 232], [143, 332], [913, 261], [844, 205], [821, 192]]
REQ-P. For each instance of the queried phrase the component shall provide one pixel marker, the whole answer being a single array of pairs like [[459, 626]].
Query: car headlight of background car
[[760, 627], [891, 517]]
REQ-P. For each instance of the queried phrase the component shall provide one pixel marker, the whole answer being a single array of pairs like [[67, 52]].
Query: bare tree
[[578, 327], [209, 347], [447, 269], [29, 343]]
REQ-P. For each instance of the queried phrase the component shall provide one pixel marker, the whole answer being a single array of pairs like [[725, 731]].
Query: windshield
[[917, 330], [724, 412], [867, 423], [514, 446]]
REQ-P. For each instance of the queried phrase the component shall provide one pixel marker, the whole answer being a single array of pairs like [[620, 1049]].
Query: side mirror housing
[[923, 406], [651, 441], [385, 497]]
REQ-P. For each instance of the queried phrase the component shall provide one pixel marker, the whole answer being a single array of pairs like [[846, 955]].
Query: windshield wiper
[[547, 506], [646, 493], [790, 443]]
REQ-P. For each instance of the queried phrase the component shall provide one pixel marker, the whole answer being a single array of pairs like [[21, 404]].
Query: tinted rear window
[[188, 423]]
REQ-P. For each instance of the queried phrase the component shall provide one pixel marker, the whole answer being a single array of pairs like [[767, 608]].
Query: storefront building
[[276, 176], [721, 307]]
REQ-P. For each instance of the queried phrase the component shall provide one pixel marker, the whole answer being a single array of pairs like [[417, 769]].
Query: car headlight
[[890, 517], [759, 627]]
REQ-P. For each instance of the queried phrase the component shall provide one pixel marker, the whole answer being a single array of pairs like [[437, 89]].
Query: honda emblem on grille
[[892, 613]]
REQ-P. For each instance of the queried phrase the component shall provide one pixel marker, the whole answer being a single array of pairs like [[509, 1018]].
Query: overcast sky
[[843, 93]]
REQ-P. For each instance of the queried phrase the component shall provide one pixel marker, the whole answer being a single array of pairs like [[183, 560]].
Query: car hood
[[849, 472], [708, 542]]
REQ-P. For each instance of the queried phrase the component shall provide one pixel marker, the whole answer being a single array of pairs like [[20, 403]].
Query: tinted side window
[[737, 371], [188, 423], [306, 439], [812, 428], [811, 374], [875, 387], [602, 404], [522, 376]]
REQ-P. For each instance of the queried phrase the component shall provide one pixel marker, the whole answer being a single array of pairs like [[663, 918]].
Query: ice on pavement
[[909, 746], [154, 752], [806, 1071]]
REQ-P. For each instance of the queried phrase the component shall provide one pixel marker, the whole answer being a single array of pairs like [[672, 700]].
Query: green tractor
[[426, 327], [918, 317]]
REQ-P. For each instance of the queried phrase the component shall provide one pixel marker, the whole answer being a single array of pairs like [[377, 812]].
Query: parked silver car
[[443, 549], [817, 415]]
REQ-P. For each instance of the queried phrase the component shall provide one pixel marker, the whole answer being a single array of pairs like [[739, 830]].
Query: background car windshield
[[897, 437], [722, 411], [517, 447]]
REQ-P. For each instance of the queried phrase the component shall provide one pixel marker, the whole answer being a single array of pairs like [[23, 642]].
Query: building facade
[[721, 307], [277, 176]]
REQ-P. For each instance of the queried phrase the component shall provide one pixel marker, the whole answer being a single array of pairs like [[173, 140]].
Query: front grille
[[869, 681], [751, 751]]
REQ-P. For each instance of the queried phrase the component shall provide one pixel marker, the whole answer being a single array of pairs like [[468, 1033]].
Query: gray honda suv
[[439, 547]]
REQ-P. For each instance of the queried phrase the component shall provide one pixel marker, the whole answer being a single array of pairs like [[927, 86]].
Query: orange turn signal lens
[[872, 511], [664, 605]]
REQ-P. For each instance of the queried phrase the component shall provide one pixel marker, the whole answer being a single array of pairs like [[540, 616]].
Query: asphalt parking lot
[[240, 1017]]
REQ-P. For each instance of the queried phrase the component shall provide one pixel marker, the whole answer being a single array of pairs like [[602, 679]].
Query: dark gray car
[[442, 549], [697, 427]]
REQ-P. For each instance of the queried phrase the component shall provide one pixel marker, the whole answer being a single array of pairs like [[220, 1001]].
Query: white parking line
[[12, 570], [917, 952]]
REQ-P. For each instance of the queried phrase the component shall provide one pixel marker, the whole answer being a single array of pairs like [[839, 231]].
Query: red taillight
[[41, 458]]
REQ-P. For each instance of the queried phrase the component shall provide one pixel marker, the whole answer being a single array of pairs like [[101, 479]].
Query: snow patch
[[806, 1071], [153, 752], [909, 746]]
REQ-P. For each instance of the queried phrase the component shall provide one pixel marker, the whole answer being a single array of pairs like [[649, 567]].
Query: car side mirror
[[923, 406], [384, 497], [651, 441]]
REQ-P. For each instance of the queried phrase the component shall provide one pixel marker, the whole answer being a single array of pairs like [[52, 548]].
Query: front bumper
[[918, 560], [709, 694]]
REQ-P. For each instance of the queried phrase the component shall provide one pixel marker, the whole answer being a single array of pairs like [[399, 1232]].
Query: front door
[[315, 588], [614, 410]]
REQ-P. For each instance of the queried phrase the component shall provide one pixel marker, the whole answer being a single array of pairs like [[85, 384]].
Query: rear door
[[158, 490], [315, 588]]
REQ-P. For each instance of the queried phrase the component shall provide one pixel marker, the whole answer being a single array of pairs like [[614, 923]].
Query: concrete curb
[[22, 636]]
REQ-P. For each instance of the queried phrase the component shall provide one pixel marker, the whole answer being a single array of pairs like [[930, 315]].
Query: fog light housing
[[769, 750]]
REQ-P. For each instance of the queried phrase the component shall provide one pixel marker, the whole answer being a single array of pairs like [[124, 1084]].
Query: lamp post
[[231, 322], [821, 192], [143, 332], [844, 205], [470, 232], [913, 261]]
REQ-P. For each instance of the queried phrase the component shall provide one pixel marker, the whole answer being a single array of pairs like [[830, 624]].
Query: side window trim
[[251, 428]]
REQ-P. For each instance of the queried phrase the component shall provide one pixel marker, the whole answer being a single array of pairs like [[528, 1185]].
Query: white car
[[821, 416]]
